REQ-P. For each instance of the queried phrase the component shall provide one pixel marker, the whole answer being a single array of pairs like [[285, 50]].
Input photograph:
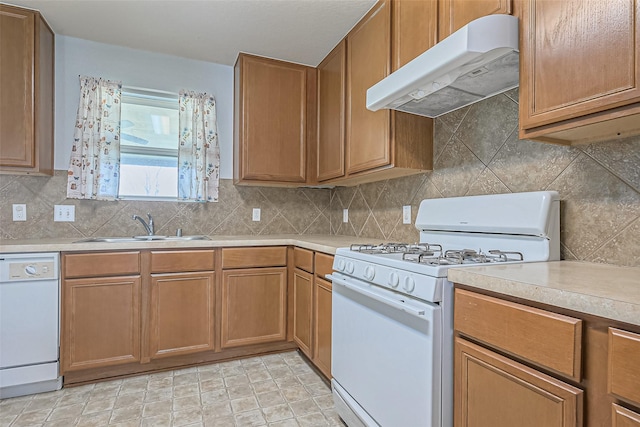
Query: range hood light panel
[[478, 61]]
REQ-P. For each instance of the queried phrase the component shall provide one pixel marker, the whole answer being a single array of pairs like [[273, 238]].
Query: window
[[148, 145]]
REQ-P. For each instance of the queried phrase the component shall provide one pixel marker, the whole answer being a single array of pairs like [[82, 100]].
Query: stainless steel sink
[[153, 238]]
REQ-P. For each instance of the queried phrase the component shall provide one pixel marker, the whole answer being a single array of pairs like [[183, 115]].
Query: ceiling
[[301, 31]]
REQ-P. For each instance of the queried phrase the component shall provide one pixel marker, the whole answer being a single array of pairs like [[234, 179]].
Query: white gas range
[[393, 305]]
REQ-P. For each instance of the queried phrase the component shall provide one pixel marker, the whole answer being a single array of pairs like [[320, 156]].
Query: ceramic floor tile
[[277, 390]]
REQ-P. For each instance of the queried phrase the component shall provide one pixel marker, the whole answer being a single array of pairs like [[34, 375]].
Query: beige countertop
[[320, 243], [602, 290]]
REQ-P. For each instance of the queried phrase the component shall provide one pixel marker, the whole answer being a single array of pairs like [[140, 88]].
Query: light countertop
[[602, 290], [320, 243]]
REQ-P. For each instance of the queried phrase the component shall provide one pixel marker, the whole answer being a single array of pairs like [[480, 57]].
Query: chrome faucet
[[147, 226]]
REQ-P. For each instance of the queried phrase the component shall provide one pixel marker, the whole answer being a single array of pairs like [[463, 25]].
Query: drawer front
[[324, 265], [548, 339], [100, 264], [303, 259], [622, 417], [624, 366], [254, 257], [181, 261]]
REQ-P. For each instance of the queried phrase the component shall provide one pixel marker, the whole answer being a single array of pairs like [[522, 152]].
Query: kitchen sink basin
[[153, 238]]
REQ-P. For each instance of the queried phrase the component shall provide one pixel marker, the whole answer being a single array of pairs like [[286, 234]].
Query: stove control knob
[[350, 267], [369, 272], [409, 284], [394, 280], [340, 265]]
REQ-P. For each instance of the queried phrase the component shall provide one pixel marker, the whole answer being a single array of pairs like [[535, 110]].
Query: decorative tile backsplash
[[476, 149], [283, 211]]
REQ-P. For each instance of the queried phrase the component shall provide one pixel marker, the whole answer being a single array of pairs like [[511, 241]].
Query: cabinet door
[[622, 417], [17, 87], [322, 326], [493, 391], [455, 14], [577, 58], [272, 121], [302, 309], [27, 87], [253, 306], [182, 314], [331, 99], [101, 322], [415, 29], [368, 62]]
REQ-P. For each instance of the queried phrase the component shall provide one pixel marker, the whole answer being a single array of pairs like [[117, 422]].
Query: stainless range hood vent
[[478, 61]]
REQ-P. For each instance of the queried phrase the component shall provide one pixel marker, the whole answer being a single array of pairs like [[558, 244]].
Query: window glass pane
[[148, 146], [149, 126], [148, 176]]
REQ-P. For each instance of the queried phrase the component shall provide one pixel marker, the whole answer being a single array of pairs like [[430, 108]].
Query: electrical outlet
[[64, 213], [256, 214], [345, 215], [19, 212], [406, 214]]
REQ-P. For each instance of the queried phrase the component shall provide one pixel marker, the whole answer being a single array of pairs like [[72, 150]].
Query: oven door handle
[[388, 301]]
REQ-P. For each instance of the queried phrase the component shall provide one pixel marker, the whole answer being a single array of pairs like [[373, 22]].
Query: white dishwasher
[[29, 324]]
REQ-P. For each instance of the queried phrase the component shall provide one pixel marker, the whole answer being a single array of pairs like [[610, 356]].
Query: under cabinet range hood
[[477, 61]]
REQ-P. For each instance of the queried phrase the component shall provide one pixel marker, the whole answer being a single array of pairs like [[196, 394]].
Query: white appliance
[[392, 343], [29, 324], [477, 61]]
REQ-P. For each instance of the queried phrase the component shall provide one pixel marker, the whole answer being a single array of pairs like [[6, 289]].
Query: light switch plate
[[345, 215], [256, 214], [64, 213], [406, 214], [19, 212]]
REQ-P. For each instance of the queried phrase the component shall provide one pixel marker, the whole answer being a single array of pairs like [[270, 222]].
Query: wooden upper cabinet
[[368, 62], [382, 144], [579, 70], [331, 114], [414, 29], [27, 87], [455, 14], [272, 99]]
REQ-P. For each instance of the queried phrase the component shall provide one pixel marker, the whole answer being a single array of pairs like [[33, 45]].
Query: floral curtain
[[199, 150], [95, 155]]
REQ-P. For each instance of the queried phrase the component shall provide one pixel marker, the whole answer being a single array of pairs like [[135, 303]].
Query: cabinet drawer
[[254, 257], [548, 339], [324, 264], [181, 261], [303, 259], [622, 417], [99, 264], [624, 370]]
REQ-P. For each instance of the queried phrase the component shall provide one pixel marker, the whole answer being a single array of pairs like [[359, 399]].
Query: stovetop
[[434, 255]]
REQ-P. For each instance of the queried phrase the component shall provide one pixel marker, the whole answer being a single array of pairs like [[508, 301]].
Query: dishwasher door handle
[[380, 298]]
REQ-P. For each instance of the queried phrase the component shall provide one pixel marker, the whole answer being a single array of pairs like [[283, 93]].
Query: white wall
[[142, 69]]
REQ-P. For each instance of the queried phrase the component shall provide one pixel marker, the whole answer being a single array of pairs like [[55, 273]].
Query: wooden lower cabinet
[[302, 310], [494, 391], [181, 320], [623, 417], [100, 322], [322, 326], [254, 306]]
